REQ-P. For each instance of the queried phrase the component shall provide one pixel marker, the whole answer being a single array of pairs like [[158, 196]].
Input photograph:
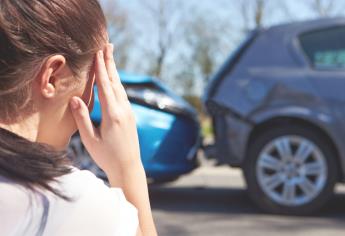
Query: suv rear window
[[325, 48]]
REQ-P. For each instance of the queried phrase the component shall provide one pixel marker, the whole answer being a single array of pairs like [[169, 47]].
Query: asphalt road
[[213, 201]]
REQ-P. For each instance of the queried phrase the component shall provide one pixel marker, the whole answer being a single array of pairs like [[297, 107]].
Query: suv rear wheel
[[290, 170]]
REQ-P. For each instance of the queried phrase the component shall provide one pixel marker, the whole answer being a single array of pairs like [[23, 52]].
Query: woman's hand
[[114, 145]]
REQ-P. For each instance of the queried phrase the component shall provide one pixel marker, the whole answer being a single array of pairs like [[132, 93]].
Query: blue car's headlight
[[152, 97], [158, 98]]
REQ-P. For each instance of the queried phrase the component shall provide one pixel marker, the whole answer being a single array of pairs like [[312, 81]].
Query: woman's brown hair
[[30, 32]]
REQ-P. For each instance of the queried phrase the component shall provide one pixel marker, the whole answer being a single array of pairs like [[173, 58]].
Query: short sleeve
[[94, 209], [16, 214], [129, 222], [119, 216]]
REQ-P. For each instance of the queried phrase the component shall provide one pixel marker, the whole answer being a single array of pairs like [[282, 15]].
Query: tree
[[119, 31], [322, 8], [253, 11], [164, 15], [204, 39], [207, 43]]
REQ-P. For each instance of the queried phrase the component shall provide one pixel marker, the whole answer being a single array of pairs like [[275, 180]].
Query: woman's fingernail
[[112, 48], [74, 104], [100, 53]]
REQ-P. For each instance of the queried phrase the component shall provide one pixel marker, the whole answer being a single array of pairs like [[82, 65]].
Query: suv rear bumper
[[231, 138]]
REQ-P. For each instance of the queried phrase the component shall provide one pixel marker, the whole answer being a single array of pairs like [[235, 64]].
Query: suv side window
[[325, 48]]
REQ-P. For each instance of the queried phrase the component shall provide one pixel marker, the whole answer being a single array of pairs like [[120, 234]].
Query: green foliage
[[207, 128], [195, 101]]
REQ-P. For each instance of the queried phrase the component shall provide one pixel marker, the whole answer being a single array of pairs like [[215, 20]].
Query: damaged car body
[[278, 107]]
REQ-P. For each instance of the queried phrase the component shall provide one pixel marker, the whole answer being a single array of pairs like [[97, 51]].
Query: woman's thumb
[[82, 118]]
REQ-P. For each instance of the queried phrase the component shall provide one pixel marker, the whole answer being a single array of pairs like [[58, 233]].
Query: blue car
[[168, 129]]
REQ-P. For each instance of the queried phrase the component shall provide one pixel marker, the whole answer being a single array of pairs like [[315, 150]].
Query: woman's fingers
[[105, 91], [109, 62], [82, 118], [118, 88]]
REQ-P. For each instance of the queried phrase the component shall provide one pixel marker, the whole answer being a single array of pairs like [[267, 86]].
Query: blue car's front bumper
[[168, 142]]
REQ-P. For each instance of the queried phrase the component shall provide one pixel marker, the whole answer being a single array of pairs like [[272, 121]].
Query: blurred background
[[183, 44]]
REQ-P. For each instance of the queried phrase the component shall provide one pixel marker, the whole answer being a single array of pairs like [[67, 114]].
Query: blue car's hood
[[132, 78], [184, 108]]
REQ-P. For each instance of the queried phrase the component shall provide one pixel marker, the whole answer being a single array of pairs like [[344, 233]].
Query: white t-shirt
[[95, 209]]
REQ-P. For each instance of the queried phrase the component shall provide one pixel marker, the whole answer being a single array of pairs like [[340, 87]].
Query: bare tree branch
[[322, 8], [253, 12], [118, 30], [162, 13]]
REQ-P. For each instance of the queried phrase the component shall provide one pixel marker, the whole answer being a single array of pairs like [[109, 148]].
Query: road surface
[[213, 201]]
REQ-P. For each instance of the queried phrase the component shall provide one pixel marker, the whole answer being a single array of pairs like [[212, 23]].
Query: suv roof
[[304, 26]]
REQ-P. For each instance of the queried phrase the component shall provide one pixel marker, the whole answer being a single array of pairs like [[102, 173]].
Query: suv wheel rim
[[291, 170]]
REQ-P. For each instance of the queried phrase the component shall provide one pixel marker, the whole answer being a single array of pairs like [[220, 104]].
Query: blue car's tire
[[162, 181]]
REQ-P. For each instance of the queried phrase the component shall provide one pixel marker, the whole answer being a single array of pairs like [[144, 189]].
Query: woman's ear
[[50, 74]]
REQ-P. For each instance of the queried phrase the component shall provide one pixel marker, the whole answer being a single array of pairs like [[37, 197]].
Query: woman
[[51, 53]]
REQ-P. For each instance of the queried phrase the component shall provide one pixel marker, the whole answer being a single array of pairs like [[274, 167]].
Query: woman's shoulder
[[85, 182], [94, 207], [13, 194], [81, 185], [92, 200], [16, 204], [79, 178]]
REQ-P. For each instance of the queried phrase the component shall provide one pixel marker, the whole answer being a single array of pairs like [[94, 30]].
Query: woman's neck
[[26, 128]]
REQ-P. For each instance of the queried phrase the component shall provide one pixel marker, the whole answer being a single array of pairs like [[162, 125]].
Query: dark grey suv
[[278, 111]]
